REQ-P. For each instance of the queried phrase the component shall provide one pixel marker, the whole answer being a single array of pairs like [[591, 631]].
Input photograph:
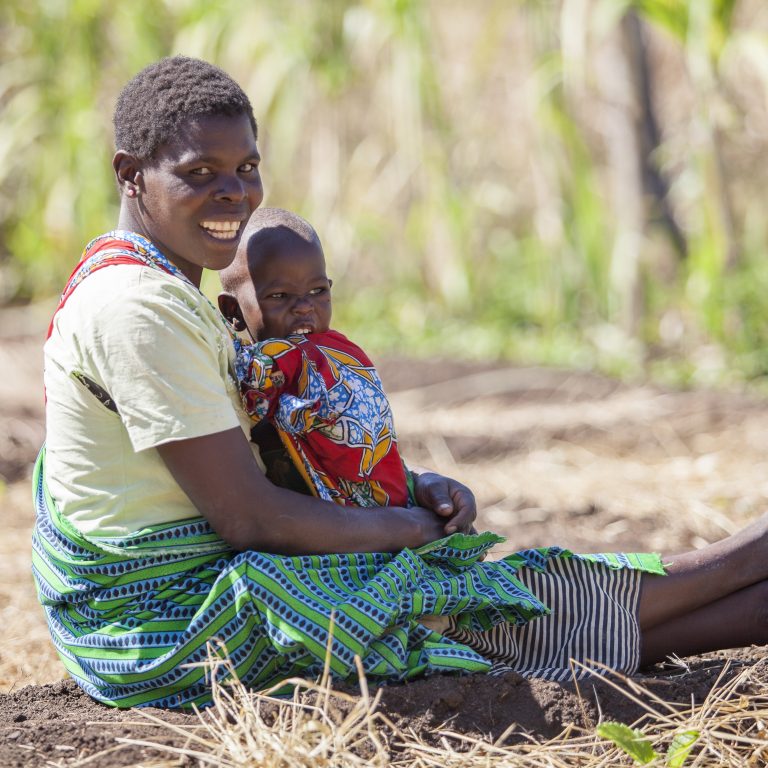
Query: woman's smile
[[222, 230]]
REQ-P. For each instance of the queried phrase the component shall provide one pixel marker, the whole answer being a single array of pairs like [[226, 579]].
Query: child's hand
[[447, 498]]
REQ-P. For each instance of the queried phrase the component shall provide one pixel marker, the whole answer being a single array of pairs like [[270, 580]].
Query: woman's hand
[[448, 498]]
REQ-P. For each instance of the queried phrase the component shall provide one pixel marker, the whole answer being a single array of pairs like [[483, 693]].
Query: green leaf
[[632, 741], [681, 747]]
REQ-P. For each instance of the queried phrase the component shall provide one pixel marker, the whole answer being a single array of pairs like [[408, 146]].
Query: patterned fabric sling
[[131, 617], [325, 399]]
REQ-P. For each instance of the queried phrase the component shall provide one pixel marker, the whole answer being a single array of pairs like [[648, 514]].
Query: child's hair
[[265, 228], [265, 219], [155, 102]]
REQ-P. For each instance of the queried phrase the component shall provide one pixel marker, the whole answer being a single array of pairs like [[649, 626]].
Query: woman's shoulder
[[124, 280], [129, 307], [120, 291]]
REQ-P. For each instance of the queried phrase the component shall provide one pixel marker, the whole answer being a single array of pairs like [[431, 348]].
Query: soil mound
[[58, 724]]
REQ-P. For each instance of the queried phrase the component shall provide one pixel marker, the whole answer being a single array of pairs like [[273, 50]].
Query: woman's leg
[[703, 577], [736, 620]]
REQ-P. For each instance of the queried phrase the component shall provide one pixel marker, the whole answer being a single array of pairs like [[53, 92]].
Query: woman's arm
[[172, 359], [220, 475]]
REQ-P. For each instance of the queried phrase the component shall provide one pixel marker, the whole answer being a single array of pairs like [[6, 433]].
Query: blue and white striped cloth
[[594, 621]]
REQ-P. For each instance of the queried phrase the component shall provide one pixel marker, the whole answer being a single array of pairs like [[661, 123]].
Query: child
[[319, 390]]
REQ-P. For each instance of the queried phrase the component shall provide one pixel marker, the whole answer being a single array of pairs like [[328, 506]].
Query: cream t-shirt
[[162, 352]]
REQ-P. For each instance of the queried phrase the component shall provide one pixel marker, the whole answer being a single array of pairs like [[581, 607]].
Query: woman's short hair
[[155, 102]]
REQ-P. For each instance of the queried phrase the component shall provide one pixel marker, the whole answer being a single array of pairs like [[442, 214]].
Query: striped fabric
[[595, 620], [129, 616]]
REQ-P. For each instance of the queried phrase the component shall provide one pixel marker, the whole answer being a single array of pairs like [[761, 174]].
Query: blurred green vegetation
[[572, 182]]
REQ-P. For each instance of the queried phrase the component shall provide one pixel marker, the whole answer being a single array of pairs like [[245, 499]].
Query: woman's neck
[[129, 220]]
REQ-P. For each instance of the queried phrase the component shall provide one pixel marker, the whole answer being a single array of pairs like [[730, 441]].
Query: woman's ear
[[128, 173], [229, 306]]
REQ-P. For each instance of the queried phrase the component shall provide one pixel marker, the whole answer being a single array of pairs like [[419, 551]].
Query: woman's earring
[[235, 323]]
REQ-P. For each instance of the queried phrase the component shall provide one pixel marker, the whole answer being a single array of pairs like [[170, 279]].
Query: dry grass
[[322, 727], [26, 656], [317, 726], [634, 467]]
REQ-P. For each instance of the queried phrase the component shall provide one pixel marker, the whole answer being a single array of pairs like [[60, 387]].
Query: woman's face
[[193, 198]]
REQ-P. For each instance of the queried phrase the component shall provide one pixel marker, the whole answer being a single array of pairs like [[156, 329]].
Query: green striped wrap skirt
[[132, 617]]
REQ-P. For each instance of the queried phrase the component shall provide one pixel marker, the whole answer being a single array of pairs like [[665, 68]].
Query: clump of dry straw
[[318, 726]]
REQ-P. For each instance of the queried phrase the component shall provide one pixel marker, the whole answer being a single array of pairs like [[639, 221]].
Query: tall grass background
[[570, 182]]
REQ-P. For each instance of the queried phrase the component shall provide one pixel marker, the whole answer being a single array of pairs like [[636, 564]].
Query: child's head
[[277, 285]]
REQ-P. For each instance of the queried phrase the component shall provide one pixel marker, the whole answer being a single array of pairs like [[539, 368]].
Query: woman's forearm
[[220, 475]]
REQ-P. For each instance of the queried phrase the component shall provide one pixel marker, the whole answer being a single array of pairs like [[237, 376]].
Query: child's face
[[290, 292]]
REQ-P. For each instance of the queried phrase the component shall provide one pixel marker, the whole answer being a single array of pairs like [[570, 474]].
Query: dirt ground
[[553, 456]]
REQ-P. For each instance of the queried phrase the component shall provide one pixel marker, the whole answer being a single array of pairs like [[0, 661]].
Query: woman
[[157, 533]]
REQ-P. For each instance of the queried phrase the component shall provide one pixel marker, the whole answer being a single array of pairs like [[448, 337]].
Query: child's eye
[[319, 290], [248, 168], [278, 295], [204, 171]]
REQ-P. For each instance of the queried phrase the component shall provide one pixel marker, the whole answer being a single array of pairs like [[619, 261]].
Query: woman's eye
[[247, 167]]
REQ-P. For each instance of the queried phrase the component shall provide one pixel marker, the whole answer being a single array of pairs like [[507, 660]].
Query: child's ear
[[229, 306]]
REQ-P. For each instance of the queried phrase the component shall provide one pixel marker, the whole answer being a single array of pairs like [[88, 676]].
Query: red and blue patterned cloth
[[326, 400]]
